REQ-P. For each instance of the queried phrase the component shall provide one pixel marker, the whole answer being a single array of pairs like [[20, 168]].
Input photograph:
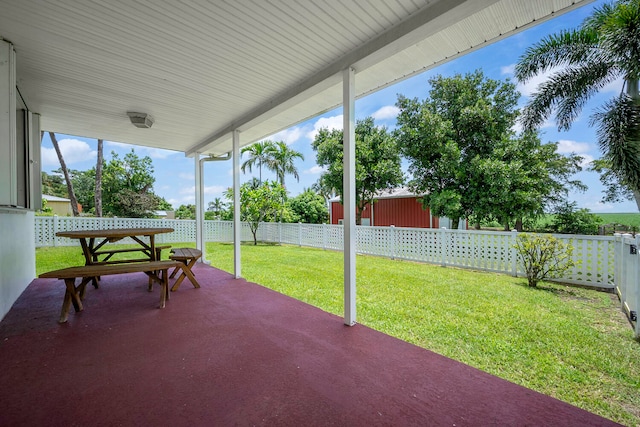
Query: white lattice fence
[[594, 260], [594, 256], [416, 245]]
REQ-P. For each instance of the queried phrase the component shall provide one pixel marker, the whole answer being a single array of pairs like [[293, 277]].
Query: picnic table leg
[[186, 272], [164, 292], [70, 297]]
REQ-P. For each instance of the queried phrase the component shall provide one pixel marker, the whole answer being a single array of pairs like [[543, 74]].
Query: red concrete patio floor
[[235, 353]]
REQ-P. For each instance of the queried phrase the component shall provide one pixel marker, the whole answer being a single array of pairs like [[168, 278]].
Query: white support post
[[236, 205], [349, 191], [514, 252], [199, 206]]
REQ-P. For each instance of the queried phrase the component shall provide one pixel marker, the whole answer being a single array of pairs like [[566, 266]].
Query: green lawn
[[570, 343], [629, 219]]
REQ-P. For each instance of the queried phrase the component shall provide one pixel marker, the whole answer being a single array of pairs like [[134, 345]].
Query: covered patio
[[205, 79], [236, 353]]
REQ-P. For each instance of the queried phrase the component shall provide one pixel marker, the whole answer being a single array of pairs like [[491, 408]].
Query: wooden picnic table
[[93, 247], [93, 242]]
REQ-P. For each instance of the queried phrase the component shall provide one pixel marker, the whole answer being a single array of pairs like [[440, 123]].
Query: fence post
[[443, 245], [392, 245], [300, 234], [624, 278], [55, 230], [324, 236], [514, 252]]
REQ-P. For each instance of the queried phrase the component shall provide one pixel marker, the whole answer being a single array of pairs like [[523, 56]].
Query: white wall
[[17, 255], [17, 234]]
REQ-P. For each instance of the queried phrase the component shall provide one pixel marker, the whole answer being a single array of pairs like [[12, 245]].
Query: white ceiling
[[204, 68]]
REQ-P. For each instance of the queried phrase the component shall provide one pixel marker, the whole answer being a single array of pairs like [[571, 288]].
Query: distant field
[[630, 219]]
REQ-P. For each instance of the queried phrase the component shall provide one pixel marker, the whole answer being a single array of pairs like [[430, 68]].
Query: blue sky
[[496, 61]]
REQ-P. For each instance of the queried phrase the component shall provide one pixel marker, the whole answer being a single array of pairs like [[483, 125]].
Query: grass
[[628, 219], [566, 342]]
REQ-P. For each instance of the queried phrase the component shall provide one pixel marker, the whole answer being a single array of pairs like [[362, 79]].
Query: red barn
[[398, 207]]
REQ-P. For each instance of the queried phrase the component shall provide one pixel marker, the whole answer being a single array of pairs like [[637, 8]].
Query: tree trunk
[[519, 225], [454, 223], [98, 188], [65, 171], [636, 195]]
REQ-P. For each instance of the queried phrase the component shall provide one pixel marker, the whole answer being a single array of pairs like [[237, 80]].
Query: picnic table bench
[[156, 270], [188, 257]]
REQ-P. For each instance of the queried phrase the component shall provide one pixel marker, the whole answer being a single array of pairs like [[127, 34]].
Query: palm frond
[[556, 50], [618, 130], [620, 36], [567, 90]]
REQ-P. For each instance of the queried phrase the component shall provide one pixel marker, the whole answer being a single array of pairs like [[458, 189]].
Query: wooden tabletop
[[114, 232]]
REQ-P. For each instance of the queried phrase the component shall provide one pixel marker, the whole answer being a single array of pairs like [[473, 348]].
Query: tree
[[462, 121], [275, 156], [569, 220], [163, 205], [520, 179], [281, 160], [605, 47], [84, 187], [67, 178], [258, 204], [186, 212], [216, 207], [258, 156], [377, 161], [308, 207], [98, 186], [53, 185], [127, 186]]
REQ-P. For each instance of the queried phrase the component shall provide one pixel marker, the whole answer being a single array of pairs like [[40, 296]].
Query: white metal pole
[[199, 204], [349, 183], [236, 205]]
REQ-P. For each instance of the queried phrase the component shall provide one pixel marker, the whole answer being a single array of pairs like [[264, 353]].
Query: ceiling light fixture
[[140, 120]]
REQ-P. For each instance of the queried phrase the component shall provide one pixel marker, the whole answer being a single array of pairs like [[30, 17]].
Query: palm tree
[[606, 47], [258, 155], [281, 160], [67, 177], [217, 206]]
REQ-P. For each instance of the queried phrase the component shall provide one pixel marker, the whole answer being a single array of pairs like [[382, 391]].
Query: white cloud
[[186, 176], [208, 190], [566, 146], [73, 151], [569, 146], [334, 122], [386, 112], [530, 86], [508, 69], [288, 136], [315, 170], [518, 128]]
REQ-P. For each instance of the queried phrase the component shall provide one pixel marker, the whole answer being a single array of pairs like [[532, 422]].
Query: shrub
[[543, 257], [569, 220]]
